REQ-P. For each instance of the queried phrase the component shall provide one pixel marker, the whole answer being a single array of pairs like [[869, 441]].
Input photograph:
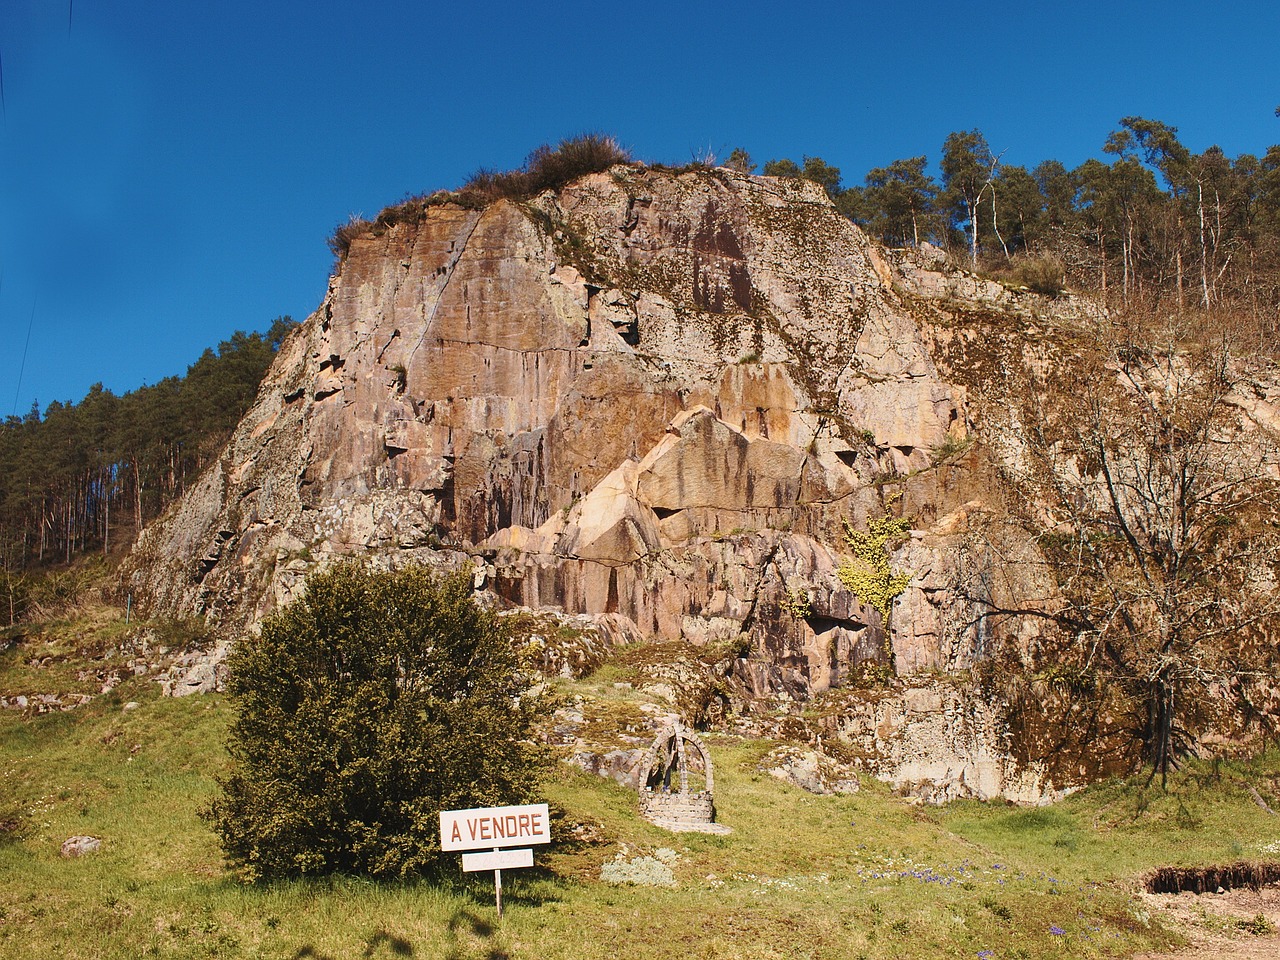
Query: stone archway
[[665, 795]]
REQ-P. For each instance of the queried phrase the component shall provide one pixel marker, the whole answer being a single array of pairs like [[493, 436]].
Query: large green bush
[[363, 710]]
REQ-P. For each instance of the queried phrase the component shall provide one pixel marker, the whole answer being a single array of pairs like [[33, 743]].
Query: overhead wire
[[31, 322], [23, 367]]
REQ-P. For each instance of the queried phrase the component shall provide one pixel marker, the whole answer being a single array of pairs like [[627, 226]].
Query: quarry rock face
[[650, 396]]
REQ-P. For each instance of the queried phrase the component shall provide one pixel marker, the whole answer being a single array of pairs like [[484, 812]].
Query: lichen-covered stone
[[810, 770]]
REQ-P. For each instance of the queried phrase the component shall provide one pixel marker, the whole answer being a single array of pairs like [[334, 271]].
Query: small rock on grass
[[78, 846]]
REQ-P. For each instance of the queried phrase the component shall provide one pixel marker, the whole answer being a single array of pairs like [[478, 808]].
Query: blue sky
[[169, 171]]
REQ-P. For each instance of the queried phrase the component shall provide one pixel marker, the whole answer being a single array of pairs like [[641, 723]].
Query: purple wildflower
[[1057, 931]]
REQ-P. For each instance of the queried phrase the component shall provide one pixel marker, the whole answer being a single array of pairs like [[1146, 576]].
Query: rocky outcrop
[[650, 397], [810, 770], [936, 740], [75, 847]]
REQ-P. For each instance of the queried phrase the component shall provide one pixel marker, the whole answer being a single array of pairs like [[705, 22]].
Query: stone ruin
[[666, 799]]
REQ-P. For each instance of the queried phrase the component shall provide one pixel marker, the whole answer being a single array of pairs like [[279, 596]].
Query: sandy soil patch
[[1220, 926]]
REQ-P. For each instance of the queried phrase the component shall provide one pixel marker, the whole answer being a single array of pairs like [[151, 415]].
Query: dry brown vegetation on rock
[[546, 168], [344, 233]]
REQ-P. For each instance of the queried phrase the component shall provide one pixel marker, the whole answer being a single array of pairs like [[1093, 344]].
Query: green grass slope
[[868, 875]]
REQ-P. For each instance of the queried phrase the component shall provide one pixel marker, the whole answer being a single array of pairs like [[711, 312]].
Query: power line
[[23, 368]]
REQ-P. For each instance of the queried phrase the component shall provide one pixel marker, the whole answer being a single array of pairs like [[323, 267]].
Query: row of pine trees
[[85, 477], [1148, 221]]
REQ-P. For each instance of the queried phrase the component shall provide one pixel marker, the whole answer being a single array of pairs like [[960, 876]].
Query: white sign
[[490, 828], [497, 860]]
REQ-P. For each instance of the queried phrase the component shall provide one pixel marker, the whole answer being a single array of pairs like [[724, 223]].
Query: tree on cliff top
[[900, 199], [364, 709], [968, 168], [815, 169]]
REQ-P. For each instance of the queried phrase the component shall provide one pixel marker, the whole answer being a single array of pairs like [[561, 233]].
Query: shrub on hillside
[[1043, 275], [54, 593], [344, 233], [547, 169], [363, 710], [544, 169]]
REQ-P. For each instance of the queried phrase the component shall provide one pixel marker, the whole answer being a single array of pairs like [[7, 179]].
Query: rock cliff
[[654, 396]]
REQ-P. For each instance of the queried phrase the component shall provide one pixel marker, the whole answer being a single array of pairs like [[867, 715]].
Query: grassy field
[[868, 875]]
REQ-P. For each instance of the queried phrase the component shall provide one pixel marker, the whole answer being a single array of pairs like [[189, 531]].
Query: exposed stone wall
[[938, 740], [650, 396], [694, 808]]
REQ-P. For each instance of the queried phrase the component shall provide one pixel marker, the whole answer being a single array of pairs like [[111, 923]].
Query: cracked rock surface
[[650, 396]]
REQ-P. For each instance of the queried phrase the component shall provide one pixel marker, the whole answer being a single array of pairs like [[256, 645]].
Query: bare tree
[[1161, 499]]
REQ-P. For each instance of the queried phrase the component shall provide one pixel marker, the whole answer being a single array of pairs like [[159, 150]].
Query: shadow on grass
[[472, 932], [469, 922], [397, 945], [465, 925], [529, 888], [12, 824]]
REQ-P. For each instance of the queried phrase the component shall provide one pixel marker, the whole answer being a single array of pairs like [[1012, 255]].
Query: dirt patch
[[1233, 876], [1238, 924]]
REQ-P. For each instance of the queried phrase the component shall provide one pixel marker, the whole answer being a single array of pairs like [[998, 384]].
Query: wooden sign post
[[496, 829]]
